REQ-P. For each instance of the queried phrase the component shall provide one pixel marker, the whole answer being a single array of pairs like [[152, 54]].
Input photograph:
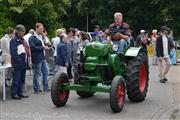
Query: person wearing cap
[[142, 39], [19, 51], [153, 40], [118, 32], [163, 50], [97, 33]]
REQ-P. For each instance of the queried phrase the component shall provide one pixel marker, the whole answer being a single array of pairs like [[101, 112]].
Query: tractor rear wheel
[[137, 77], [58, 95], [117, 94]]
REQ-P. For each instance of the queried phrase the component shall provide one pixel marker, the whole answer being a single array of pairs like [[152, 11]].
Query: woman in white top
[[5, 42]]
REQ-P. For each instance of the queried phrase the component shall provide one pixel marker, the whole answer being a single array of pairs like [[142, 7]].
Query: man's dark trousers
[[18, 81]]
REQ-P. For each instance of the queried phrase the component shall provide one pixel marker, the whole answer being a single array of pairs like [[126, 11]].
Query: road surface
[[162, 102]]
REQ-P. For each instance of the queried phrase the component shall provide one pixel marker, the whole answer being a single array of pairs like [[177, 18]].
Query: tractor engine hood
[[96, 49]]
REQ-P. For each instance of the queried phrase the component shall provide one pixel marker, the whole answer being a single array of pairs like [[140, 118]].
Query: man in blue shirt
[[39, 63]]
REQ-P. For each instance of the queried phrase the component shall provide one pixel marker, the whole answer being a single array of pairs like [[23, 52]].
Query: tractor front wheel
[[58, 95], [117, 94]]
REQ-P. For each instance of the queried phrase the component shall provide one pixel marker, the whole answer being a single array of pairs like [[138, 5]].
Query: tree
[[19, 5], [5, 19]]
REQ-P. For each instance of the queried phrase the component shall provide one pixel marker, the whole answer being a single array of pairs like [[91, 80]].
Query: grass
[[178, 54]]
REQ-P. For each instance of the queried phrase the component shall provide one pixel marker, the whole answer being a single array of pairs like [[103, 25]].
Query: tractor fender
[[133, 51]]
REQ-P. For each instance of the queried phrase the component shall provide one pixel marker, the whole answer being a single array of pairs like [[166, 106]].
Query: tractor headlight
[[115, 48]]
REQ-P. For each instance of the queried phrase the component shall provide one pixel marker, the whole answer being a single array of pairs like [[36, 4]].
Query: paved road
[[162, 102]]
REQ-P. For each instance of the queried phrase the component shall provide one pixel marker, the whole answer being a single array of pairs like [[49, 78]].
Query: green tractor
[[101, 69]]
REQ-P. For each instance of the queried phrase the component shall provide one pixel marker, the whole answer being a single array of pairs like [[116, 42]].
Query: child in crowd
[[62, 55]]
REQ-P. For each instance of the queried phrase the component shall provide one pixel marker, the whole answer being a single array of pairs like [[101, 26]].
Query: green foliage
[[5, 20], [49, 16], [19, 5], [5, 23]]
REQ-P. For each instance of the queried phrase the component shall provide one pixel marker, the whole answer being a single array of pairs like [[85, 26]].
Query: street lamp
[[37, 9], [87, 20]]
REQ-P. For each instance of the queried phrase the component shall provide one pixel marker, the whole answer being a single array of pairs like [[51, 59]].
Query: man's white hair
[[154, 31], [118, 14], [31, 31]]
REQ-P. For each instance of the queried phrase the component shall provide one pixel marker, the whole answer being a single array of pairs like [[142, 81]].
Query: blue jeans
[[122, 45], [173, 56], [18, 82], [37, 69]]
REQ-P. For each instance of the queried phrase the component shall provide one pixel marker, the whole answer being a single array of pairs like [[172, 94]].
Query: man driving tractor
[[119, 32]]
